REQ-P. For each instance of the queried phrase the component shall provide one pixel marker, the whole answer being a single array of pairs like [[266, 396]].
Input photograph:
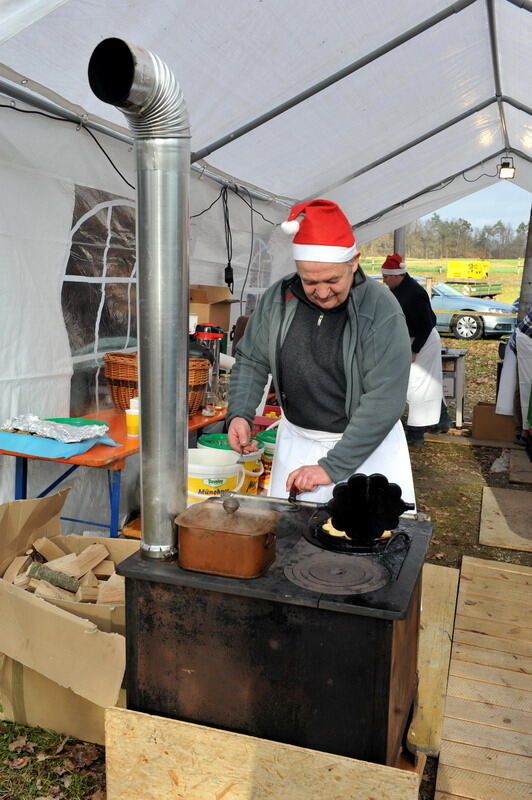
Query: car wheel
[[467, 326]]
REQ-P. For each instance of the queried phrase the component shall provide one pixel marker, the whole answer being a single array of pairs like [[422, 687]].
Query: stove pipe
[[143, 87]]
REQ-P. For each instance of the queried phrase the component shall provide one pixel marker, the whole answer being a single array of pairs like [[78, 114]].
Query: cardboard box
[[212, 304], [491, 426], [61, 663]]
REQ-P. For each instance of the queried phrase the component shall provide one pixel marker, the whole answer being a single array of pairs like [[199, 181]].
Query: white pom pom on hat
[[290, 227]]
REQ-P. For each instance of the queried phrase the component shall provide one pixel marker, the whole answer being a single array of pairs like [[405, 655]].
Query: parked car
[[470, 317]]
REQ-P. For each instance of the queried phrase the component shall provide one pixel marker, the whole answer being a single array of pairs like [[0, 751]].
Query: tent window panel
[[123, 228], [80, 302], [118, 319], [85, 260], [88, 388], [120, 262]]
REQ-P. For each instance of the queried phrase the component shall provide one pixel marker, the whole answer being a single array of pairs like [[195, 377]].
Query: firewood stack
[[85, 577]]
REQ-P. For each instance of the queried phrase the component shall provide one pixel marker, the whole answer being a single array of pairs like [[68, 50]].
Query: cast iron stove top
[[377, 585]]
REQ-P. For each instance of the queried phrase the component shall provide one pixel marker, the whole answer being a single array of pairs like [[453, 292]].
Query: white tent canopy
[[444, 86], [391, 108]]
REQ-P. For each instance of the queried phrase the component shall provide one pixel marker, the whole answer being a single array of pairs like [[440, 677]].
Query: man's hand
[[239, 434], [413, 357], [306, 479]]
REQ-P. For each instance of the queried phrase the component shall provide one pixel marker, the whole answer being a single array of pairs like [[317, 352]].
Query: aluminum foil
[[28, 423]]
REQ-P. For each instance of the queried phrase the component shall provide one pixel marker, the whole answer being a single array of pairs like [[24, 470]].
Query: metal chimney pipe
[[143, 87]]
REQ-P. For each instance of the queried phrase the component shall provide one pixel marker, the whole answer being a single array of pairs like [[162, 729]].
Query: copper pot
[[239, 543]]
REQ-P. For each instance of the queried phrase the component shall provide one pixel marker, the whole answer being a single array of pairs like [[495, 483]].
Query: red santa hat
[[394, 265], [324, 233]]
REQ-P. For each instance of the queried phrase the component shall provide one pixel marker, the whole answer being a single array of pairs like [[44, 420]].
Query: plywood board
[[520, 467], [438, 601], [487, 732], [505, 519], [151, 758]]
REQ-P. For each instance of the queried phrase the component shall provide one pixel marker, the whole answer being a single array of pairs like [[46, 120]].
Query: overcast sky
[[503, 200]]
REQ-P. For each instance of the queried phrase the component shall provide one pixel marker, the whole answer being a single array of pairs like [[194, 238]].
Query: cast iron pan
[[364, 507]]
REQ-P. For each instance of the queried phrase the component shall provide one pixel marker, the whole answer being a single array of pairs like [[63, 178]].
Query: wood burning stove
[[301, 655]]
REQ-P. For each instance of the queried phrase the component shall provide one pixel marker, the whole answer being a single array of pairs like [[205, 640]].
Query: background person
[[516, 376], [425, 392], [337, 347]]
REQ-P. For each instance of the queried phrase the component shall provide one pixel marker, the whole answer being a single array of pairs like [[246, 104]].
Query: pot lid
[[210, 515]]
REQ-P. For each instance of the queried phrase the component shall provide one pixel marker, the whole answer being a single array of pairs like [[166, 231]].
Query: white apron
[[424, 394], [299, 447], [507, 384], [514, 368]]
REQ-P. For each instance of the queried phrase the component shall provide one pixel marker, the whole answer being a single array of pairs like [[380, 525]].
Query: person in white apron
[[517, 373], [338, 349], [425, 391]]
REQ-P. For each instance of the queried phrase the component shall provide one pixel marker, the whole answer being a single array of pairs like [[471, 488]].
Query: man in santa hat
[[425, 393], [338, 349]]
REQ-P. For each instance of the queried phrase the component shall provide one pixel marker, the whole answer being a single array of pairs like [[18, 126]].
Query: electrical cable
[[79, 124], [250, 204], [193, 216], [484, 175], [228, 272]]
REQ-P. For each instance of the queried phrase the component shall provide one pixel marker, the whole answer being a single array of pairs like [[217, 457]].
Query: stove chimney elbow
[[141, 85]]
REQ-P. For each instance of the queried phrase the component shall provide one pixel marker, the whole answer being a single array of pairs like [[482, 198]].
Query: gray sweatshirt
[[376, 352]]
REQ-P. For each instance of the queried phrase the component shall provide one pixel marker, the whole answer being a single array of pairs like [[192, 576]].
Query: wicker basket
[[122, 375], [198, 376], [121, 372]]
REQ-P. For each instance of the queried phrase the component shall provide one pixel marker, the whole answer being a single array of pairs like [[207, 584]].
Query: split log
[[89, 579], [17, 566], [105, 569], [67, 564], [49, 592], [112, 591], [86, 594], [46, 573], [47, 548]]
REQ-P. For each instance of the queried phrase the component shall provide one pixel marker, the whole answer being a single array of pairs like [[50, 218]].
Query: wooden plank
[[492, 658], [505, 518], [493, 642], [511, 577], [498, 695], [481, 585], [477, 786], [438, 601], [492, 675], [460, 730], [484, 760], [445, 796], [488, 714], [511, 613], [520, 467], [492, 628], [502, 566], [149, 757]]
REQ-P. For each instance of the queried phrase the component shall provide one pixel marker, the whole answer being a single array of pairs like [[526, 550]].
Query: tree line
[[435, 238]]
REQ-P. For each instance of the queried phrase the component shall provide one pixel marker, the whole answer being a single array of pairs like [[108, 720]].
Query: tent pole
[[454, 8], [399, 241], [525, 296]]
